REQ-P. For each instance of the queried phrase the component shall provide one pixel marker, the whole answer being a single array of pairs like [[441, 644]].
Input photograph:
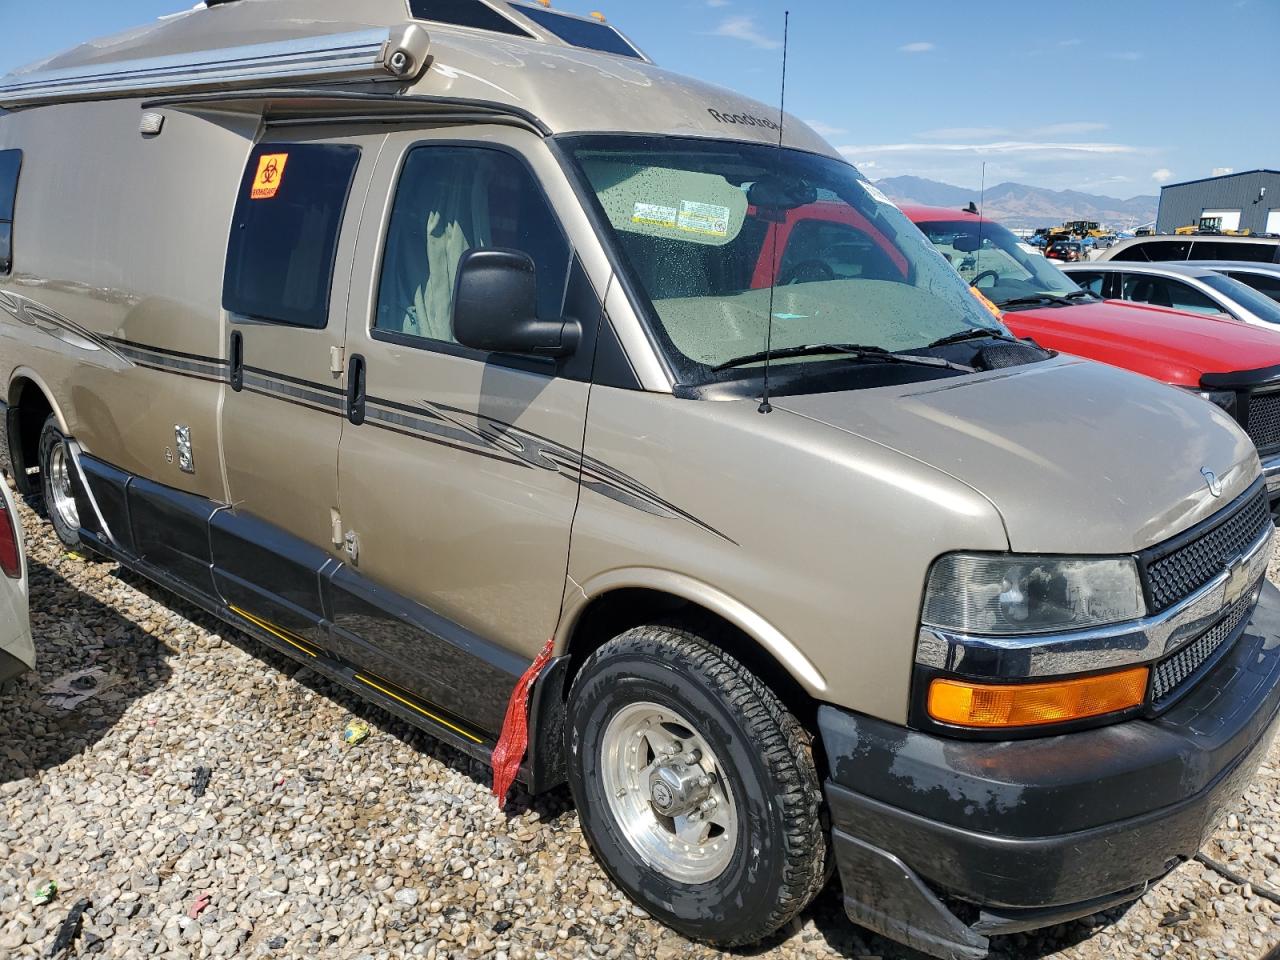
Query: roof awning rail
[[395, 55], [320, 105]]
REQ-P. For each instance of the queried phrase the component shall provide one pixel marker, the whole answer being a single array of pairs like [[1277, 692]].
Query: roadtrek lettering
[[743, 119]]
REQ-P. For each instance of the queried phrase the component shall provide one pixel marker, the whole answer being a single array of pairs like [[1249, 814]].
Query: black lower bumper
[[942, 842]]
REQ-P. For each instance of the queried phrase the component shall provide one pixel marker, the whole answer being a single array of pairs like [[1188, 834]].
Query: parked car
[[406, 349], [1179, 286], [1234, 365], [1066, 251], [1263, 277], [1162, 248], [17, 653]]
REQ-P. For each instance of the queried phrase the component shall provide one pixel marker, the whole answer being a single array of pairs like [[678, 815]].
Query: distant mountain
[[1023, 206]]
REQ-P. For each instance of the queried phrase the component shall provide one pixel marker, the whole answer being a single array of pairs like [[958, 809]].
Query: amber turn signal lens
[[966, 704]]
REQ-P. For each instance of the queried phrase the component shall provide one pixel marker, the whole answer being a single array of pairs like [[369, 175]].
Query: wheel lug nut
[[706, 780], [671, 749], [690, 758], [709, 804]]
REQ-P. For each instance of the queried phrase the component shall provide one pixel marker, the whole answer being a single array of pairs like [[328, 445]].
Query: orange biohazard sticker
[[270, 175]]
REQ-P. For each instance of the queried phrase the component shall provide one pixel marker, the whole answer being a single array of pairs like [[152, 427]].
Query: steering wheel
[[985, 273], [807, 271]]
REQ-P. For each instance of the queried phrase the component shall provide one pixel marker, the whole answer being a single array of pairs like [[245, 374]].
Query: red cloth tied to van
[[511, 745]]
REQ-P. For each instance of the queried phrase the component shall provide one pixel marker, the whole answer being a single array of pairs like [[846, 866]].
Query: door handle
[[355, 389], [237, 361]]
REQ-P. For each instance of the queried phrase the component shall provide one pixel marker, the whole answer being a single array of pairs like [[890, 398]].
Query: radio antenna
[[765, 406], [982, 206]]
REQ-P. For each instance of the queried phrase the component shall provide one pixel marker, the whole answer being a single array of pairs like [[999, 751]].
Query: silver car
[[17, 653], [1179, 286]]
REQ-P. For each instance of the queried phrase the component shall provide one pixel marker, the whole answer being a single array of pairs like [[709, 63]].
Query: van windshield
[[707, 227], [987, 255]]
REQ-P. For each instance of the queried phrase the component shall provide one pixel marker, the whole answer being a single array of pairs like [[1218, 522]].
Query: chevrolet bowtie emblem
[[1237, 581], [1211, 478]]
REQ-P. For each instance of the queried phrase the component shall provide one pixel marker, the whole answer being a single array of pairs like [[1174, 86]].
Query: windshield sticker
[[707, 218], [266, 183], [654, 214], [876, 193]]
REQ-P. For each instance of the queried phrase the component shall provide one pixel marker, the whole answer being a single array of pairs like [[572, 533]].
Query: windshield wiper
[[856, 351], [973, 333], [1032, 300], [1080, 294]]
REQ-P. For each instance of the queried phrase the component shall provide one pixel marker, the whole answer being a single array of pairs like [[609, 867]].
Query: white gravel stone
[[393, 848]]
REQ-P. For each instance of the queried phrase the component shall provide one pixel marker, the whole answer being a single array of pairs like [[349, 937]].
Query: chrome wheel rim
[[668, 793], [60, 487]]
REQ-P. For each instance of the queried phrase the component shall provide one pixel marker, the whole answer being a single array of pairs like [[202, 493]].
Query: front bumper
[[942, 842]]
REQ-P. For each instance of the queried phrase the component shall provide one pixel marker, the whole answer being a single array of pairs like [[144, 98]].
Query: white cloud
[[1073, 42], [1163, 175], [1003, 147], [1067, 129], [963, 133], [744, 29], [825, 129], [1222, 171], [1126, 55], [919, 46], [717, 3]]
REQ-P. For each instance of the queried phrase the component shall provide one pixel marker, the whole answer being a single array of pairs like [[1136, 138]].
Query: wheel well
[[29, 409], [615, 612]]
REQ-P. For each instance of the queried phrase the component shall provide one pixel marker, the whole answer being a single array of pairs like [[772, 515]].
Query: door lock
[[351, 544]]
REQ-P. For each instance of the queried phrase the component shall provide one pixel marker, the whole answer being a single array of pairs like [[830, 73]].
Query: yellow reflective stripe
[[413, 706], [274, 631]]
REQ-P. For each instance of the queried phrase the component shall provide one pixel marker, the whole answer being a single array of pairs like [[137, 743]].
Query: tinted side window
[[1264, 283], [451, 200], [284, 236], [10, 165], [581, 33], [1088, 281], [1155, 251], [1160, 292], [465, 13], [1216, 250]]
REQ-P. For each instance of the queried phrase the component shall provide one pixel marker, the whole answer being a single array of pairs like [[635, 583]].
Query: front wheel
[[695, 786], [55, 482]]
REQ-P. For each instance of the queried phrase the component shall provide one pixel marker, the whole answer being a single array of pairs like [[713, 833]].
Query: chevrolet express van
[[406, 336]]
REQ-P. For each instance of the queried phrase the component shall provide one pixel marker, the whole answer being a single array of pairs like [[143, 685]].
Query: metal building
[[1237, 201]]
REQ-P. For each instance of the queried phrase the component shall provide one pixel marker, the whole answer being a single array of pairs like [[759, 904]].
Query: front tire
[[55, 484], [695, 786]]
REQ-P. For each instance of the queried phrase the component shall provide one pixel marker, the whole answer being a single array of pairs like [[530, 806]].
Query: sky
[[1112, 97]]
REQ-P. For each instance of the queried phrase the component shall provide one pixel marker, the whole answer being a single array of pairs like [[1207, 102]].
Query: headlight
[[1226, 399], [1012, 594]]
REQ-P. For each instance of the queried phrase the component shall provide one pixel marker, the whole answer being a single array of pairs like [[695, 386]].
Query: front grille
[[1264, 420], [1172, 673], [1184, 570]]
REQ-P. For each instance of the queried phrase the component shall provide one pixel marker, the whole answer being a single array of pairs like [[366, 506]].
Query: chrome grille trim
[[1178, 672]]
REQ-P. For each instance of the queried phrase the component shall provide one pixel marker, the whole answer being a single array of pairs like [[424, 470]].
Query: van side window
[[451, 200], [10, 164], [284, 236]]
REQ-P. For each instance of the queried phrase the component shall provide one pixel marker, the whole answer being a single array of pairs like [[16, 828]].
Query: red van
[[1232, 364]]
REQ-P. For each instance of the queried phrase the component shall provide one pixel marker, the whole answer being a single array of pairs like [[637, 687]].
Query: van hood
[[1170, 345], [1077, 457]]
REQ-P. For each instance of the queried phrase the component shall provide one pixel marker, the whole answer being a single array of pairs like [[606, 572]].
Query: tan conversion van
[[407, 334]]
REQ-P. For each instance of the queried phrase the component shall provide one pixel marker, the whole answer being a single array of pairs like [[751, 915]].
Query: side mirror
[[495, 307]]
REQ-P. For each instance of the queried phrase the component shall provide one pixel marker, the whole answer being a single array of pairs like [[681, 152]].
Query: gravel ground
[[304, 847]]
